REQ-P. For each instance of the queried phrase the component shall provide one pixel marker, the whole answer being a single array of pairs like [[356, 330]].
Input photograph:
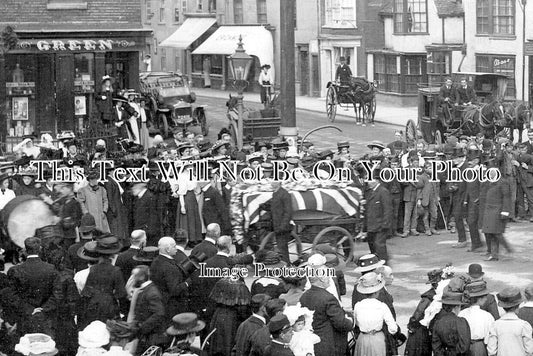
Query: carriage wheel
[[163, 124], [344, 245], [295, 245], [331, 105], [410, 132], [203, 122]]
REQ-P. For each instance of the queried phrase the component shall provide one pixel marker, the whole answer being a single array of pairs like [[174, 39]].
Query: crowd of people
[[121, 272]]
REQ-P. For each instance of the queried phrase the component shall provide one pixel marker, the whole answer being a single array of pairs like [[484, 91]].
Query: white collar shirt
[[479, 321]]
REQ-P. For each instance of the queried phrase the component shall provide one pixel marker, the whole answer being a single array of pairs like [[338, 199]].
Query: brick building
[[65, 47]]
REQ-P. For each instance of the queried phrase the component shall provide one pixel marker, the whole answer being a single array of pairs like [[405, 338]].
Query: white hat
[[94, 335], [316, 260], [36, 344]]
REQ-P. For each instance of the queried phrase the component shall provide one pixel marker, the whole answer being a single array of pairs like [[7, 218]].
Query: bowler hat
[[476, 289], [509, 297], [147, 254], [278, 323], [452, 298], [87, 223], [368, 263], [342, 58], [475, 270], [185, 323]]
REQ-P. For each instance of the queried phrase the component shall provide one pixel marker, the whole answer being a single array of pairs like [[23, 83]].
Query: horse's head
[[497, 111]]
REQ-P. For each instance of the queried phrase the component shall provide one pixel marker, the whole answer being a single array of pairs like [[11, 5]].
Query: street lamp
[[240, 63]]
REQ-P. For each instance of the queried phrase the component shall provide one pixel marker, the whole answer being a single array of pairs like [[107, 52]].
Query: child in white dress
[[303, 339]]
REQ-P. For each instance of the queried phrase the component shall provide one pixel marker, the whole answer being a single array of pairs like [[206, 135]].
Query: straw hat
[[368, 262], [185, 323]]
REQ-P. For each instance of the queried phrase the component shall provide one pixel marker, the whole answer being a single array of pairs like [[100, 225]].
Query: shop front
[[49, 81], [257, 42]]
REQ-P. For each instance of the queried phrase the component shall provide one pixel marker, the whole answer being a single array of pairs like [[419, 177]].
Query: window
[[399, 74], [339, 13], [212, 6], [162, 14], [184, 7], [413, 72], [216, 64], [261, 11], [237, 11], [197, 63], [495, 17], [392, 77], [163, 59], [66, 5], [438, 66], [499, 64], [410, 16], [199, 5], [176, 14]]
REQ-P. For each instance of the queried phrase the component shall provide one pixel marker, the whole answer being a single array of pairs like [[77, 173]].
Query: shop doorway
[[304, 72]]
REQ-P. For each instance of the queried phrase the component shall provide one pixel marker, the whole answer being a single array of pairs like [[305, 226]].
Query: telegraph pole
[[287, 79]]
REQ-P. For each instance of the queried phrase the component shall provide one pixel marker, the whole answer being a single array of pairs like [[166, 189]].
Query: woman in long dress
[[370, 316], [135, 136]]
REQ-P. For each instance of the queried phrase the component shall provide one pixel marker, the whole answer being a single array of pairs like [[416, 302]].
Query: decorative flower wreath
[[448, 271]]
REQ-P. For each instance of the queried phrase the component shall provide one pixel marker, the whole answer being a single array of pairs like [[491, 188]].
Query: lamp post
[[240, 63], [524, 3]]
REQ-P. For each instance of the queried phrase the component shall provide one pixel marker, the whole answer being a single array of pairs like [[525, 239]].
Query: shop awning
[[188, 32], [257, 41]]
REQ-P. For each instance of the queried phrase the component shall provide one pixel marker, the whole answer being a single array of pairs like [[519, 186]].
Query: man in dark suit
[[472, 192], [457, 190], [256, 321], [33, 284], [447, 98], [281, 210], [86, 230], [148, 310], [125, 260], [116, 212], [378, 217], [69, 210], [208, 245], [143, 208], [330, 322], [464, 94], [170, 279], [343, 74], [214, 209], [180, 236]]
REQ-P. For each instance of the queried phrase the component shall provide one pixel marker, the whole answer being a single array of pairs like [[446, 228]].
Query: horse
[[516, 118], [486, 118]]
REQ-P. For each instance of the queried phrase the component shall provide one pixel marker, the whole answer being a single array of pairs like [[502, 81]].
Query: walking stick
[[443, 216]]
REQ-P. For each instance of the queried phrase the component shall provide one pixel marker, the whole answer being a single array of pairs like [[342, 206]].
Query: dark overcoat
[[205, 247], [329, 321], [498, 200], [126, 263], [378, 209], [215, 210], [116, 211], [150, 315], [243, 344], [143, 218], [281, 209]]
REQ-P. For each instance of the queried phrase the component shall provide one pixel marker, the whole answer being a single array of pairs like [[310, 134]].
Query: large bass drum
[[24, 215]]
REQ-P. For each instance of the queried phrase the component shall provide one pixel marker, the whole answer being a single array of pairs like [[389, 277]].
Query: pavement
[[386, 113]]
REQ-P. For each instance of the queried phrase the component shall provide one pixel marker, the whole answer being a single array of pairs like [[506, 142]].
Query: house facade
[[48, 82]]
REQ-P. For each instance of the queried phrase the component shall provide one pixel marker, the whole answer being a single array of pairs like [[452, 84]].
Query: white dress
[[133, 124]]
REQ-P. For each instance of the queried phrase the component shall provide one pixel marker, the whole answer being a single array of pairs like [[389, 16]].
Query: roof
[[449, 8]]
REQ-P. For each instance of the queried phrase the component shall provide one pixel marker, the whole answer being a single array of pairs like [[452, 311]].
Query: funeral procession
[[266, 177]]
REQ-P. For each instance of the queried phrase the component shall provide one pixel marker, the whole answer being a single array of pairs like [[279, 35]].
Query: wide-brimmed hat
[[475, 270], [370, 283], [368, 262], [434, 276], [108, 244], [121, 329], [147, 254], [451, 298], [260, 144], [185, 323], [120, 98], [267, 66], [131, 92], [270, 259], [279, 144], [184, 145], [325, 154], [94, 335], [88, 252], [476, 289], [509, 297], [377, 144], [87, 223], [343, 144], [105, 77], [255, 158], [219, 144], [65, 135], [27, 172], [36, 344]]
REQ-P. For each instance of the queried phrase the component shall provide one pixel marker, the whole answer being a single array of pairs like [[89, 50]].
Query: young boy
[[509, 335]]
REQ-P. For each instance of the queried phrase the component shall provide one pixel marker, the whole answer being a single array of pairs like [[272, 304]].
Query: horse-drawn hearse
[[493, 114]]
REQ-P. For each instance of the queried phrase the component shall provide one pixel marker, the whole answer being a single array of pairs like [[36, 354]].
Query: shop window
[[197, 64], [238, 11], [163, 59], [399, 74], [392, 77], [340, 13], [413, 70], [410, 16], [495, 17], [262, 11], [499, 64], [216, 64], [66, 5], [438, 66]]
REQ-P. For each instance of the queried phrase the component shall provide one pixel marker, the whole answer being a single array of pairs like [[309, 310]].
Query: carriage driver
[[447, 98], [343, 73], [464, 94]]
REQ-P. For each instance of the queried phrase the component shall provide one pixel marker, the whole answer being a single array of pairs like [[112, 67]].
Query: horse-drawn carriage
[[323, 213], [360, 93], [493, 114], [170, 101]]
